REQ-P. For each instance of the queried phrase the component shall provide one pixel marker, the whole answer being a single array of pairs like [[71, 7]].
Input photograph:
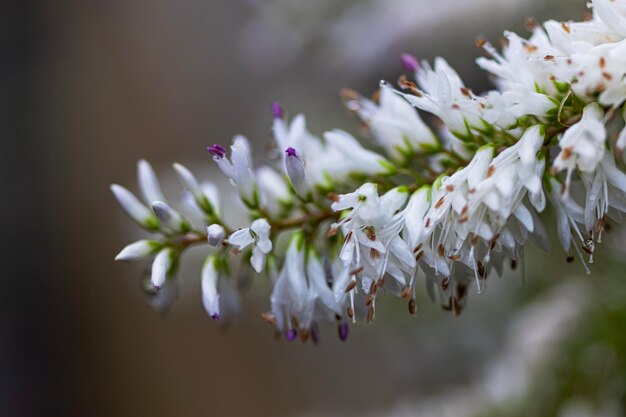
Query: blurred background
[[88, 88]]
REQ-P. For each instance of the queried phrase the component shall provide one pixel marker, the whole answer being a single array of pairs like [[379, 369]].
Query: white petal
[[148, 183]]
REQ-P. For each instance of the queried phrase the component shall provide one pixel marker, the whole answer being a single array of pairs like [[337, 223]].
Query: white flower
[[582, 145], [605, 189], [162, 267], [139, 250], [394, 123], [372, 244], [613, 14], [301, 297], [443, 94], [215, 234], [210, 295], [258, 235], [238, 168]]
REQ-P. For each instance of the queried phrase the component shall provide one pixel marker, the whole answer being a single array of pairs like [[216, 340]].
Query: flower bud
[[161, 267], [210, 295], [148, 183], [133, 207], [189, 181], [170, 218], [294, 166], [409, 62], [215, 234], [138, 250]]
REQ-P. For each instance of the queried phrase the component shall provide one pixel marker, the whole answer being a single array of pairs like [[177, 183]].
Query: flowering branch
[[335, 225]]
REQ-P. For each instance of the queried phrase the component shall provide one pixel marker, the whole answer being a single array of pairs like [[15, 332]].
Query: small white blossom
[[294, 166], [170, 218], [257, 235], [238, 168], [582, 145]]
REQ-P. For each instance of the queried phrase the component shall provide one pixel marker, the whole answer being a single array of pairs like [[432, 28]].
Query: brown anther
[[491, 170], [449, 188], [600, 87], [472, 190], [474, 240], [565, 27], [602, 62], [350, 312], [481, 42], [370, 232], [374, 254], [369, 299], [348, 237], [334, 197], [454, 257], [567, 152], [412, 307], [441, 250], [357, 270], [376, 96], [332, 231], [466, 91], [530, 48], [481, 269], [419, 255], [409, 85], [350, 286], [349, 94], [588, 250], [235, 251], [569, 61], [439, 202], [304, 335], [531, 23], [418, 248], [607, 76], [380, 283], [444, 284], [370, 314], [269, 318], [427, 223], [569, 259], [373, 288], [600, 225], [406, 292], [455, 106], [549, 58]]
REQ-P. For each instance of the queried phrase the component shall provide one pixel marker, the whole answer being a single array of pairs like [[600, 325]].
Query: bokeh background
[[89, 87]]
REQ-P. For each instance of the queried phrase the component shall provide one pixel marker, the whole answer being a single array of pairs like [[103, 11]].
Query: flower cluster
[[334, 224]]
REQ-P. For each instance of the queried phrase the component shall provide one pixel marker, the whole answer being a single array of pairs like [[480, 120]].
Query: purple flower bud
[[216, 150], [343, 331], [291, 334], [294, 165], [277, 110], [409, 62], [216, 316]]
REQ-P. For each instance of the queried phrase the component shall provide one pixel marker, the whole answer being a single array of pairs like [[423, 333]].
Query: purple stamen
[[291, 334], [277, 110], [409, 62], [343, 331], [216, 150], [291, 151], [215, 316]]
